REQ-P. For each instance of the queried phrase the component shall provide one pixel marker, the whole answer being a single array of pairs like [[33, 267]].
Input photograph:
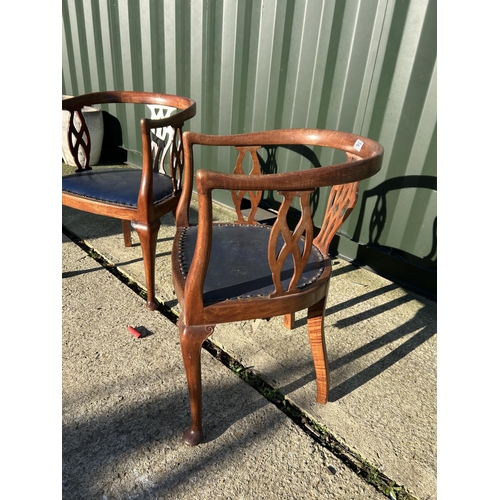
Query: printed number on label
[[358, 145]]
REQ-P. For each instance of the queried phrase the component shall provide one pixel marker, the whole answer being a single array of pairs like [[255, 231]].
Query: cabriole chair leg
[[192, 338], [148, 235], [316, 332]]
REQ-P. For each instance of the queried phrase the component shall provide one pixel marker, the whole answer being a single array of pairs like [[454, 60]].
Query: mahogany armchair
[[245, 270], [139, 197]]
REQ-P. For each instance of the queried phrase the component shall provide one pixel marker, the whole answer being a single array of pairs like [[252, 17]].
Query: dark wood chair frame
[[144, 212], [200, 316]]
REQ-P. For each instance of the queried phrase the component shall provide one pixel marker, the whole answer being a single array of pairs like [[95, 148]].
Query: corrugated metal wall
[[363, 66]]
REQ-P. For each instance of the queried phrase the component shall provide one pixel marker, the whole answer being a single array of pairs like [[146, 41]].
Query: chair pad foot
[[192, 437], [151, 306]]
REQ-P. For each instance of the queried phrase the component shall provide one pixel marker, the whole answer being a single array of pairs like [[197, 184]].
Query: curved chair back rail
[[343, 178], [357, 148], [225, 272], [186, 105], [137, 197]]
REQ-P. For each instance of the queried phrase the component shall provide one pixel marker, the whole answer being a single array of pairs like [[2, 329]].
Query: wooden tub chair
[[225, 272], [138, 197]]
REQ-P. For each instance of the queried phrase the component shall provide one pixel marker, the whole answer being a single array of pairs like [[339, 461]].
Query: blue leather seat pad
[[239, 266], [118, 186]]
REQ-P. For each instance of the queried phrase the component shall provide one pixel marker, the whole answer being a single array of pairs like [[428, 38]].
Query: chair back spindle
[[340, 204], [79, 140], [238, 195], [303, 232], [176, 159]]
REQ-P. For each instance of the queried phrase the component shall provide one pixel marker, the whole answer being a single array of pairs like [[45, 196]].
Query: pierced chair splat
[[267, 270], [138, 197]]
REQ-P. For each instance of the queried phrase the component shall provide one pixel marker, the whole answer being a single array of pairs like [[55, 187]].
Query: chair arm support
[[176, 121], [201, 258]]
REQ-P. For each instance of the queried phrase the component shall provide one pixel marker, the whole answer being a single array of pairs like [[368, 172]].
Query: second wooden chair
[[136, 196], [225, 272]]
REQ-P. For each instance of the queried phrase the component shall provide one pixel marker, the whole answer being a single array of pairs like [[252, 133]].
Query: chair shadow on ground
[[107, 441], [102, 442], [417, 324], [379, 215], [93, 447], [106, 445], [419, 329], [413, 259]]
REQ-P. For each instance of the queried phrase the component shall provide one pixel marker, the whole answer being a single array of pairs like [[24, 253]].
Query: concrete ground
[[125, 402]]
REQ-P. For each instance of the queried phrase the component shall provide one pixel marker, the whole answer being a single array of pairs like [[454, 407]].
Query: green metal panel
[[363, 66], [401, 114]]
